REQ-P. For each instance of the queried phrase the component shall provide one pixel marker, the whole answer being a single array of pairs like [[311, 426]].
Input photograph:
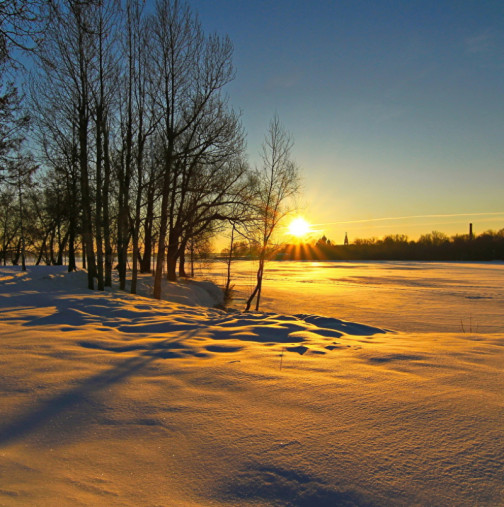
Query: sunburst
[[299, 228]]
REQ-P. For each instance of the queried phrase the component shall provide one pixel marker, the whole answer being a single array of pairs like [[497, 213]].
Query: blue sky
[[396, 107]]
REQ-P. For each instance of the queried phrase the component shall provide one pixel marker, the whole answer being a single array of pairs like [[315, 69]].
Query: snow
[[114, 399], [405, 296]]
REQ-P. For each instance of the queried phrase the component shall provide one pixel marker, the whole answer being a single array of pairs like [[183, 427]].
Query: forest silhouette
[[435, 246]]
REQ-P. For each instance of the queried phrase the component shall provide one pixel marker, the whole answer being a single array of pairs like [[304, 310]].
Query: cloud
[[283, 81], [378, 113], [481, 43], [411, 217]]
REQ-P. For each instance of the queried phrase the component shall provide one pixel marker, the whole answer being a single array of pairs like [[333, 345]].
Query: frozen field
[[404, 296], [111, 399]]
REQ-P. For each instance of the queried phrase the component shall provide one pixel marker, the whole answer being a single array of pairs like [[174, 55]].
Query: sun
[[299, 227]]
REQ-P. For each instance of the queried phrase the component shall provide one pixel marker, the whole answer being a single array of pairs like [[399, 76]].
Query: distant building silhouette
[[470, 231], [346, 239]]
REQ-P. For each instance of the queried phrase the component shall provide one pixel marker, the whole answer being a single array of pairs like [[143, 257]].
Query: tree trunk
[[227, 290], [83, 125], [173, 256], [258, 287], [21, 225], [171, 262], [106, 211], [146, 264], [99, 201], [163, 225], [42, 248], [192, 257], [83, 254], [17, 255], [158, 274], [57, 261], [61, 249], [50, 260], [73, 218], [182, 258], [87, 232], [72, 264]]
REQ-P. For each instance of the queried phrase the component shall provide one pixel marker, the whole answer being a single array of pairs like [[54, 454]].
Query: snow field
[[114, 399]]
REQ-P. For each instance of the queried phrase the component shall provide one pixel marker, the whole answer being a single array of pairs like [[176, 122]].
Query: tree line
[[134, 154], [435, 246]]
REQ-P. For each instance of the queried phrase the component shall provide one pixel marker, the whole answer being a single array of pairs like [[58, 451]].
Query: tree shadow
[[277, 485], [63, 415]]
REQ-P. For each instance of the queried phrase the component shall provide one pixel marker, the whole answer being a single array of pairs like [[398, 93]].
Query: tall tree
[[139, 120], [192, 70], [71, 62], [103, 83], [74, 43]]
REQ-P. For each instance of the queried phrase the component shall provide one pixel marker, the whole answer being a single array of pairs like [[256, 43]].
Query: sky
[[396, 107]]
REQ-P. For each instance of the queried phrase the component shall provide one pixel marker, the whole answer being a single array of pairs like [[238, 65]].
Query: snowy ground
[[112, 399], [404, 296]]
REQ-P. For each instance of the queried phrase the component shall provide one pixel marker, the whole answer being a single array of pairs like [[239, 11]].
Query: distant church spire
[[346, 238]]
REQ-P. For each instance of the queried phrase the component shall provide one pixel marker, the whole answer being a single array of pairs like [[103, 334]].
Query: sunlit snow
[[114, 399], [405, 296]]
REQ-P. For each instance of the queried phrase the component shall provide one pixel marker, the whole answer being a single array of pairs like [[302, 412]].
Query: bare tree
[[103, 85], [76, 92], [15, 167], [20, 26], [55, 133], [74, 50], [196, 121], [20, 171], [19, 30], [139, 119], [50, 203], [239, 219], [13, 125], [275, 183], [132, 115], [146, 118], [9, 225]]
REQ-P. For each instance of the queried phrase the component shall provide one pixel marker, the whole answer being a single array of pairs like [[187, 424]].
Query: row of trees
[[20, 27], [140, 155], [433, 246], [132, 118]]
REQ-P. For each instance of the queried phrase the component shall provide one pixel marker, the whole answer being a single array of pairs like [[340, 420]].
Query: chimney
[[470, 231]]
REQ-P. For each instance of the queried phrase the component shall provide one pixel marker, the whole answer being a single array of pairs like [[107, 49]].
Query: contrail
[[412, 216]]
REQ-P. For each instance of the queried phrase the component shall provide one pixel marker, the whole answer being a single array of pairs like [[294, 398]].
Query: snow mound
[[54, 278]]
